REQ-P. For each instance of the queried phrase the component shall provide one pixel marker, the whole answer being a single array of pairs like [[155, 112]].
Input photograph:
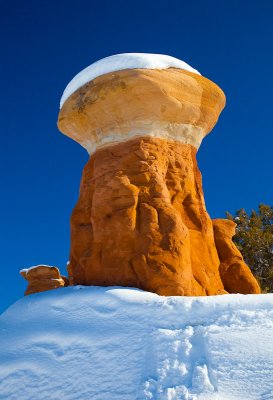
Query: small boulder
[[43, 277]]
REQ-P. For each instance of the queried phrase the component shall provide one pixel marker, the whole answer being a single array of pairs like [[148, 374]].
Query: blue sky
[[45, 43]]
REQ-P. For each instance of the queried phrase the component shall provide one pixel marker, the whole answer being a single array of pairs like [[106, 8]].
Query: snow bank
[[123, 61], [124, 344]]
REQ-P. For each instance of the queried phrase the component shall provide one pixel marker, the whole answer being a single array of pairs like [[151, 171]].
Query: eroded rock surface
[[170, 104], [235, 274], [42, 278], [141, 221]]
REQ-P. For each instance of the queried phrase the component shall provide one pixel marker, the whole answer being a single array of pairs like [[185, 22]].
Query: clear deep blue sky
[[45, 43]]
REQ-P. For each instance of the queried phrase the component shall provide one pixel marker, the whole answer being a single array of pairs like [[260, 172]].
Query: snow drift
[[124, 344]]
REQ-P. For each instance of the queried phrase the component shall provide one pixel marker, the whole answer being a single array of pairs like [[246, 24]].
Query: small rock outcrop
[[235, 274], [43, 277]]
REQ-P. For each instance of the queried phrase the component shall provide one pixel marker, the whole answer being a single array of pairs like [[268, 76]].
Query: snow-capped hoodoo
[[141, 219]]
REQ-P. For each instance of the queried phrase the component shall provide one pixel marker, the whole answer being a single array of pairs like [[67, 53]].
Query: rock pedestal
[[141, 219]]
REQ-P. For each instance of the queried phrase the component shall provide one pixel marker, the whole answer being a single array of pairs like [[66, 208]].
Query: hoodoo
[[141, 219]]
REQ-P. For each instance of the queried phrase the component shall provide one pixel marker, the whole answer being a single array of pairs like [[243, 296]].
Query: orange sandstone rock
[[235, 274], [141, 219], [42, 278], [171, 104]]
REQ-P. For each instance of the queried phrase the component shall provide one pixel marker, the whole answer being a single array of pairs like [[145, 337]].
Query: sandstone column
[[234, 273], [141, 219]]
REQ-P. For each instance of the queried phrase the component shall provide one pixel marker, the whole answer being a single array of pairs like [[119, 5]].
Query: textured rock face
[[141, 221], [42, 278], [235, 274], [171, 104]]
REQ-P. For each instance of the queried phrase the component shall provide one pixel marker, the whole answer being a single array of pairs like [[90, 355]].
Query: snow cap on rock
[[119, 62]]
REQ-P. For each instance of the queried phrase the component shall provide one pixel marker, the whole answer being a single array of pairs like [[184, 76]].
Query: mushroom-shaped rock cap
[[132, 95]]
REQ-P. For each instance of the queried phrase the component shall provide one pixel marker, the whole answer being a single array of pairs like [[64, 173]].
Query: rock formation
[[43, 277], [141, 219], [235, 274]]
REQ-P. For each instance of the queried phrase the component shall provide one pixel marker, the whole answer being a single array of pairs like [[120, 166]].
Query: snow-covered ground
[[119, 62], [124, 344]]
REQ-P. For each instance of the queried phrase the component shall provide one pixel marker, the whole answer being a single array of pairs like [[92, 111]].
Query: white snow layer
[[124, 344], [123, 61]]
